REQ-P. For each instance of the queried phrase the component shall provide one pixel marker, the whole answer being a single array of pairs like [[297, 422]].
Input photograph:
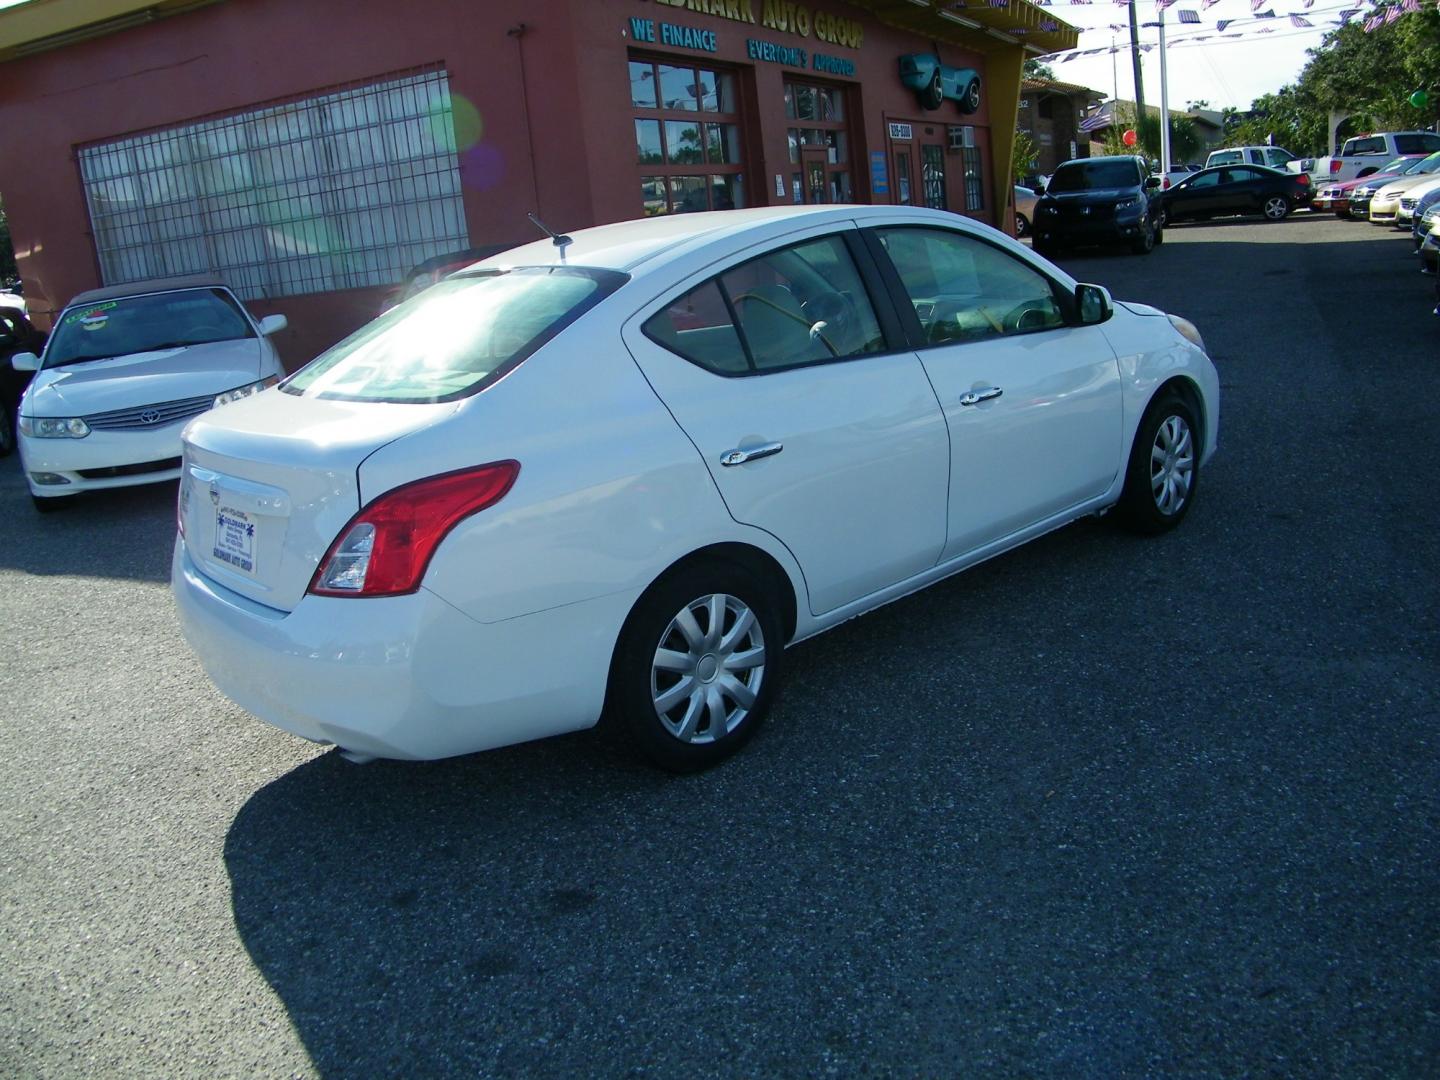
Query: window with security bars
[[341, 190]]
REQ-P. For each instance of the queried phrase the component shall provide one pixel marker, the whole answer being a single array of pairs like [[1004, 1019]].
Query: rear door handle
[[739, 457], [974, 397]]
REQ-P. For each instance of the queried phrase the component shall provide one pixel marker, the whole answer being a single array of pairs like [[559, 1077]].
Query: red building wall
[[548, 79]]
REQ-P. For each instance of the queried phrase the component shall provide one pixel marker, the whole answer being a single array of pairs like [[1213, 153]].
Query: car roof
[[624, 245], [143, 288]]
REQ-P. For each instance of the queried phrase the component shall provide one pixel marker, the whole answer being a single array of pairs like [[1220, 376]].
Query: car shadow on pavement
[[123, 533]]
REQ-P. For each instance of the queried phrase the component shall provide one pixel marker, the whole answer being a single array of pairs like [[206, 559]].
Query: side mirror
[[1093, 304], [25, 361], [272, 323], [1151, 183]]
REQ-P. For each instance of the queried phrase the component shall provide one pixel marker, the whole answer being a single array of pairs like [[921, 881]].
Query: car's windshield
[[1094, 176], [455, 337], [136, 324], [1427, 165]]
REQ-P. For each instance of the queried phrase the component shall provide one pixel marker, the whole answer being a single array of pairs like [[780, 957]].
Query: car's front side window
[[803, 304], [964, 289]]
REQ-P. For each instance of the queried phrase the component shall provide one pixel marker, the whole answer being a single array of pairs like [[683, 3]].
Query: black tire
[[638, 682], [1148, 503], [970, 101], [933, 96], [1162, 218], [1022, 225], [7, 430], [52, 504], [1159, 235], [1145, 242]]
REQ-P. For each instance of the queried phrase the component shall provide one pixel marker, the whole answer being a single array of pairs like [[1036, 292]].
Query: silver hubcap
[[1275, 208], [708, 669], [1172, 465]]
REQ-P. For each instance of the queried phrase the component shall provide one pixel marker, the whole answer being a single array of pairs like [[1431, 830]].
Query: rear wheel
[[1276, 208], [934, 94], [696, 666], [1022, 225]]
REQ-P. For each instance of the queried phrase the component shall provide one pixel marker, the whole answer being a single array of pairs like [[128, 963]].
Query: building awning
[[1012, 22], [39, 25]]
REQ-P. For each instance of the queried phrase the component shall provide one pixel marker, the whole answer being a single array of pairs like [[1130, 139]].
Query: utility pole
[[1135, 61]]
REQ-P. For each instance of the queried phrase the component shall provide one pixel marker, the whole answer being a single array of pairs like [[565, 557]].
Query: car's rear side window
[[456, 337], [803, 304]]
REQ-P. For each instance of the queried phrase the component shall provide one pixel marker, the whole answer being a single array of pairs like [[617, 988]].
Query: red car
[[1336, 196]]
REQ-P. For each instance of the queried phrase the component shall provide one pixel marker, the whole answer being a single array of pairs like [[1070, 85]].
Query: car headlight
[[1362, 192], [1188, 331], [1127, 204], [1046, 208], [54, 427], [244, 391]]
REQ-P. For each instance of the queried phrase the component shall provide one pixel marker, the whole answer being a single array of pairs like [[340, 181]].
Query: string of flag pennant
[[1261, 20]]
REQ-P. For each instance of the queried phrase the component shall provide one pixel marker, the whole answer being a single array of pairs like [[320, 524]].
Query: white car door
[[1033, 404], [814, 426]]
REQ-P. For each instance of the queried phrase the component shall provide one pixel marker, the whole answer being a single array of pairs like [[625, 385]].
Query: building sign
[[879, 180], [775, 54], [682, 37], [903, 132], [781, 16]]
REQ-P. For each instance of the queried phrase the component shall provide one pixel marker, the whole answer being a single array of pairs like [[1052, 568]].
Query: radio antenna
[[559, 240]]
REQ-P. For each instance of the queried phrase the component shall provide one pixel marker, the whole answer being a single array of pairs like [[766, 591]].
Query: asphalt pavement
[[1103, 807]]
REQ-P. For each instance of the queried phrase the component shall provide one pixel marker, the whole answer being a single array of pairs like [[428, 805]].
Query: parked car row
[[1425, 232], [1387, 197]]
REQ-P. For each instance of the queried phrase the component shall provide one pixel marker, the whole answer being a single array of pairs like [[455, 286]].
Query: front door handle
[[974, 397], [739, 457]]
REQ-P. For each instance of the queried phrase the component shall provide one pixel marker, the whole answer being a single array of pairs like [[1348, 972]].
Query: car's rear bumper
[[407, 677]]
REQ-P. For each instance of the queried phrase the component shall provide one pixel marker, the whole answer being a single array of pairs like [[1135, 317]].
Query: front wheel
[[697, 666], [1145, 242], [1022, 225], [1276, 208], [1164, 468]]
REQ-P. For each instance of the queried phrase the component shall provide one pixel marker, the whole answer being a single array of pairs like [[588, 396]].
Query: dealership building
[[311, 152]]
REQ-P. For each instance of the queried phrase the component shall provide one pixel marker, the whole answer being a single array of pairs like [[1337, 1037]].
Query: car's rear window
[[1094, 176], [1225, 157], [1419, 143], [455, 337], [134, 324]]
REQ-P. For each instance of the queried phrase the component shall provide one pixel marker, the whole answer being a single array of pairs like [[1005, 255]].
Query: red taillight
[[385, 548], [1305, 179], [1165, 184], [1334, 166]]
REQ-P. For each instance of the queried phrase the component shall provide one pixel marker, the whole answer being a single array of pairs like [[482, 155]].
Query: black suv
[[1100, 200]]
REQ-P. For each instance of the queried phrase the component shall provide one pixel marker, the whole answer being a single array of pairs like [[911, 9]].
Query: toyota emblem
[[149, 416]]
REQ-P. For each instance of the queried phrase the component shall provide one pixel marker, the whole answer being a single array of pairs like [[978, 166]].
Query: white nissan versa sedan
[[622, 471], [123, 370]]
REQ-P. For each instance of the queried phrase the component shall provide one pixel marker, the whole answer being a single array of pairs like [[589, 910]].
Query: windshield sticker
[[92, 318]]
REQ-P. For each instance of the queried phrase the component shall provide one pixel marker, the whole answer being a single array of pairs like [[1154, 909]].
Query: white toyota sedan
[[618, 473], [124, 369]]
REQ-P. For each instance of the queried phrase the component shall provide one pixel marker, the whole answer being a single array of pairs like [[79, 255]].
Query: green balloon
[[1419, 98]]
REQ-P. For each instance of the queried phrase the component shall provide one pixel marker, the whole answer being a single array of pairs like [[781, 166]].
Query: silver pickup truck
[[1364, 154]]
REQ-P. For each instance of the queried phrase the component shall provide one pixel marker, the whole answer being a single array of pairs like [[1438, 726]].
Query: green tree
[[1034, 69], [1023, 155]]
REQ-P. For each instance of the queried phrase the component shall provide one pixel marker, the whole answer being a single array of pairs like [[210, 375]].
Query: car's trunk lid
[[270, 481]]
